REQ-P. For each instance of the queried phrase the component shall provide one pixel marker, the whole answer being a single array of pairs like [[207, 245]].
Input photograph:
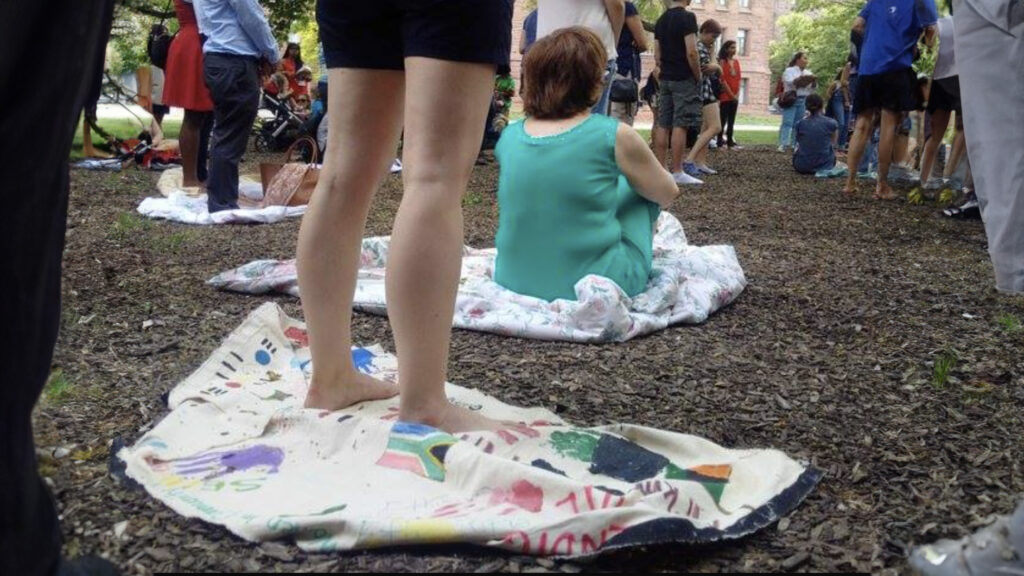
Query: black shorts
[[893, 91], [944, 95], [161, 109], [380, 34]]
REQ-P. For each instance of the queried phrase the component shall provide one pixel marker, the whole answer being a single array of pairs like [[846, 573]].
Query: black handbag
[[625, 91], [787, 99]]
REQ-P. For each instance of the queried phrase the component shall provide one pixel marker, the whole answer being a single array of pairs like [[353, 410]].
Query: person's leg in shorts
[[957, 150], [939, 112], [663, 125], [901, 144], [367, 49], [895, 96], [686, 115], [67, 39], [865, 110], [711, 124]]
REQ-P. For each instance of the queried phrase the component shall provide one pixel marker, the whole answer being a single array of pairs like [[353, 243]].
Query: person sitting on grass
[[578, 193], [816, 137]]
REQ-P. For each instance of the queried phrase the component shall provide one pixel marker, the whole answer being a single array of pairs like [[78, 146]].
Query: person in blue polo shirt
[[892, 29]]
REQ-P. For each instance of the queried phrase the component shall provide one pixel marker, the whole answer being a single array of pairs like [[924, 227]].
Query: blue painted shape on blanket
[[624, 460], [417, 448], [363, 360], [223, 462]]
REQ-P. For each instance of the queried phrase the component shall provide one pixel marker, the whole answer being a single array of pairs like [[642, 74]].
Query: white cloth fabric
[[239, 450], [180, 207], [945, 62], [157, 74], [790, 76], [990, 60], [687, 284], [188, 205], [555, 14]]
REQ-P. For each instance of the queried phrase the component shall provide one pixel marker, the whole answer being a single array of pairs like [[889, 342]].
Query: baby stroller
[[277, 126]]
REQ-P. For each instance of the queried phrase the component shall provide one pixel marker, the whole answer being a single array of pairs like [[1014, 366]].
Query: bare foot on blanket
[[453, 419], [850, 190], [338, 395]]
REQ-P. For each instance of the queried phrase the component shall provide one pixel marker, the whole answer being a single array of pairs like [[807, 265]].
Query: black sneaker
[[969, 210]]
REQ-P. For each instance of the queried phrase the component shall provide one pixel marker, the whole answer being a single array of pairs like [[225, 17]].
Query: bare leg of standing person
[[940, 121], [330, 238], [188, 143], [858, 143], [426, 245], [712, 125], [886, 144], [659, 138]]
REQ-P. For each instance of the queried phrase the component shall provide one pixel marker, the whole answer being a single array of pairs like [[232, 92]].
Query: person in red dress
[[184, 87], [290, 65]]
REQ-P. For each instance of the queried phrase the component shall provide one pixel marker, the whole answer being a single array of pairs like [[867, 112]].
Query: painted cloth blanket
[[687, 284], [238, 449]]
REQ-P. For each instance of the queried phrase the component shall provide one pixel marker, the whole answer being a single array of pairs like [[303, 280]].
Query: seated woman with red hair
[[578, 193]]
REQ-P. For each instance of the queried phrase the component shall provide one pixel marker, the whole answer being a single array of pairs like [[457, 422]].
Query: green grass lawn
[[751, 138], [122, 128], [747, 120]]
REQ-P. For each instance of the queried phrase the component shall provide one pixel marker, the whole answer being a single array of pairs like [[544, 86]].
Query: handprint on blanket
[[239, 470]]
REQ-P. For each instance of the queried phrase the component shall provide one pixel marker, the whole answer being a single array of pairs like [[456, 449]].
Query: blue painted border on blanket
[[682, 531]]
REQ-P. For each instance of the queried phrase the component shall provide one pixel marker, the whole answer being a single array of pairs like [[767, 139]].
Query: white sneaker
[[684, 179], [713, 145], [782, 148], [704, 168]]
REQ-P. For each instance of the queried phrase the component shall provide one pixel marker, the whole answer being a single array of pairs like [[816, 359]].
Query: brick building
[[751, 23]]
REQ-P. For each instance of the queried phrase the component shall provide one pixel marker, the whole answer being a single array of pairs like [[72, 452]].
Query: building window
[[699, 3], [745, 4], [741, 42], [743, 90], [723, 4]]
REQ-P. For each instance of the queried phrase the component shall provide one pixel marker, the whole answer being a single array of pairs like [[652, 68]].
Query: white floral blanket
[[687, 284]]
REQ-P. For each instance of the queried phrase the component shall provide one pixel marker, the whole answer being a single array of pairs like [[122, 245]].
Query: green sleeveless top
[[565, 210]]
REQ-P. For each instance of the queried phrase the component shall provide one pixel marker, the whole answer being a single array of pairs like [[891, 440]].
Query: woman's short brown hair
[[563, 73], [711, 26]]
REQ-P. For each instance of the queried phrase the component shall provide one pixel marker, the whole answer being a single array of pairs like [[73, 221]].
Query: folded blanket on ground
[[188, 205], [180, 207], [239, 450], [687, 284]]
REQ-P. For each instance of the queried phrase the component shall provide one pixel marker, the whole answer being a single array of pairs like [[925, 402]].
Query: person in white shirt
[[604, 17], [797, 78]]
